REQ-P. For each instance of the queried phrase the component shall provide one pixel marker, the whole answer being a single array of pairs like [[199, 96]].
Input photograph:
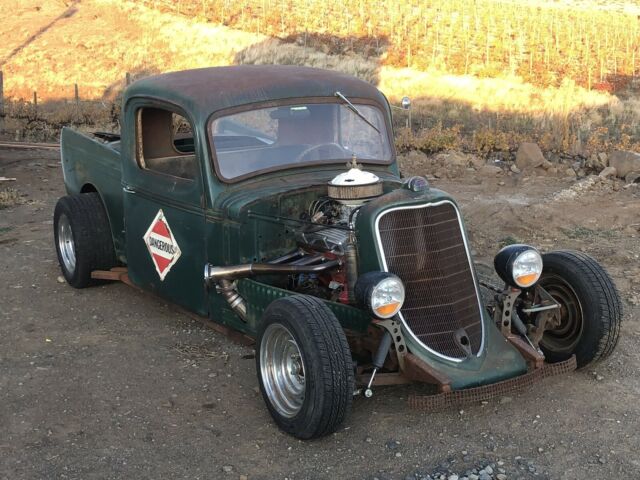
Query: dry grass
[[481, 115], [9, 197], [26, 122], [273, 51], [48, 46], [51, 45]]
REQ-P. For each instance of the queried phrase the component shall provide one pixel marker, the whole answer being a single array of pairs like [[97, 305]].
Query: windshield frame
[[384, 110]]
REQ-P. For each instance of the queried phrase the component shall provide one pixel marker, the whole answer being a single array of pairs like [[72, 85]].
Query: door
[[164, 213]]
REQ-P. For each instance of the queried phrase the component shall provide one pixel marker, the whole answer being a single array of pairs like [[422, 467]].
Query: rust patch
[[458, 398]]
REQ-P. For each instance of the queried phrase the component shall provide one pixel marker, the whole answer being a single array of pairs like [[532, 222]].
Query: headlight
[[519, 265], [381, 292], [416, 184]]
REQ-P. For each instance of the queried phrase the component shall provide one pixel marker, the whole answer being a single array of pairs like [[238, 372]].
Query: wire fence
[[35, 120], [38, 120], [429, 129]]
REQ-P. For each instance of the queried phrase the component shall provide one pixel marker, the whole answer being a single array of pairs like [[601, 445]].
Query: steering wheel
[[341, 151]]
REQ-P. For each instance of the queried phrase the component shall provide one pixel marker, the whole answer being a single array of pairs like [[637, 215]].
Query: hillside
[[50, 45], [543, 42]]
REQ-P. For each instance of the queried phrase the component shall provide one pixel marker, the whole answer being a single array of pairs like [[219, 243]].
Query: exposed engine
[[347, 192], [329, 229], [325, 262]]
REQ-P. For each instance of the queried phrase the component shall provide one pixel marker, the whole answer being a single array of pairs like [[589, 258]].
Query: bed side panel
[[88, 162]]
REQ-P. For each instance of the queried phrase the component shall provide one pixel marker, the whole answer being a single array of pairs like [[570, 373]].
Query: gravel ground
[[108, 382]]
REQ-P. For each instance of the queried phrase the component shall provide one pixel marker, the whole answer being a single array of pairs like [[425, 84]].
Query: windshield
[[278, 137]]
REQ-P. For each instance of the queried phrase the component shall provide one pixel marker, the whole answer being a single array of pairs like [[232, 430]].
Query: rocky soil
[[528, 162], [111, 383]]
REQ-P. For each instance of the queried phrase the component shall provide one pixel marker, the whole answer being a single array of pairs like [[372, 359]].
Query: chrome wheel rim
[[65, 244], [282, 370]]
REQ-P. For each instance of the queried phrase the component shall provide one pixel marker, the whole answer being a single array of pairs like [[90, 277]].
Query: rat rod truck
[[346, 277]]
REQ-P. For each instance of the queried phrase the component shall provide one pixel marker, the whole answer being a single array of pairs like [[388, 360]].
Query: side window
[[164, 143]]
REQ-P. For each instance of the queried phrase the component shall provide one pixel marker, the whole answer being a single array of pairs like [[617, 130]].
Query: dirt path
[[110, 383]]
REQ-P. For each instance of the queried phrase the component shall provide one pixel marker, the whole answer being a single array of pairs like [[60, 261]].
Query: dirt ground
[[111, 383]]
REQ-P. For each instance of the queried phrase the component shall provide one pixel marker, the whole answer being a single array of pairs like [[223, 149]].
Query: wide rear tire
[[591, 310], [82, 238], [304, 366]]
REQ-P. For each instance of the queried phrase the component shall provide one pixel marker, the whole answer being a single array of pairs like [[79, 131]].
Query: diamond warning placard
[[162, 245]]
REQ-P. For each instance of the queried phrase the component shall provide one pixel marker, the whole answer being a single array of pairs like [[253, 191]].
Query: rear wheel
[[588, 322], [82, 238], [304, 366]]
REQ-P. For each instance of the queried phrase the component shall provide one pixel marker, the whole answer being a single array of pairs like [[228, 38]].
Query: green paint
[[260, 295], [498, 360], [225, 224]]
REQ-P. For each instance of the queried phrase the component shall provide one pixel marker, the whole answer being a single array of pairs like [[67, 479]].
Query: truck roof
[[204, 91]]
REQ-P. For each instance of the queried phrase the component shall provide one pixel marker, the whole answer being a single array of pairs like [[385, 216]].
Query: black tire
[[327, 365], [90, 235], [487, 276], [591, 310]]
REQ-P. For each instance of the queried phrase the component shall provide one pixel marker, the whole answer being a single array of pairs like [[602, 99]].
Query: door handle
[[128, 189]]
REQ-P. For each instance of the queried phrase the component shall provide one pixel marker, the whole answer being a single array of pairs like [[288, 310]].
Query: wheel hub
[[66, 245], [564, 328]]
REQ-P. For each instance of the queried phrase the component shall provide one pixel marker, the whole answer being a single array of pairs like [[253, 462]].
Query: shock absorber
[[378, 360]]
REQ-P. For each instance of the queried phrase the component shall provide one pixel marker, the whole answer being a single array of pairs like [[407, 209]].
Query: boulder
[[604, 159], [491, 170], [624, 162], [632, 177], [413, 162], [529, 156], [417, 156], [570, 172], [595, 163], [476, 162], [452, 158], [576, 149], [608, 172]]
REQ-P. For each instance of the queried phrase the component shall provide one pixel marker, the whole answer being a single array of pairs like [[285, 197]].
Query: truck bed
[[90, 165]]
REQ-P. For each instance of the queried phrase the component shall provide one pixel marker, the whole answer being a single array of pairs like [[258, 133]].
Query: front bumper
[[458, 398]]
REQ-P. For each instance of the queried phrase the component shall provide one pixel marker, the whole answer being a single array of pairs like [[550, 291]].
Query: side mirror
[[406, 103]]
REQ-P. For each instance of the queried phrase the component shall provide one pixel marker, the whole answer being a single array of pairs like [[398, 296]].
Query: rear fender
[[91, 166]]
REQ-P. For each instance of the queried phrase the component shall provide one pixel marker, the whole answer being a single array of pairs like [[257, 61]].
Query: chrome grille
[[425, 247]]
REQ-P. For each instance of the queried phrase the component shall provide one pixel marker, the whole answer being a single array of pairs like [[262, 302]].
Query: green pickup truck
[[268, 198]]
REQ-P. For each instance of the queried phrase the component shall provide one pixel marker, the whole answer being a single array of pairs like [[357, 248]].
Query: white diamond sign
[[162, 245]]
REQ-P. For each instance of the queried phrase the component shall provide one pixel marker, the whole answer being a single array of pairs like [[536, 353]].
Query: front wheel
[[588, 322], [304, 366]]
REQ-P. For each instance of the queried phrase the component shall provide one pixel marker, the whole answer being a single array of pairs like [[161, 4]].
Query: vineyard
[[483, 75], [541, 43]]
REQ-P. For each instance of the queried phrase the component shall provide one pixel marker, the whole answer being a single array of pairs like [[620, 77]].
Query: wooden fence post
[[1, 94], [1, 102], [77, 100], [35, 103]]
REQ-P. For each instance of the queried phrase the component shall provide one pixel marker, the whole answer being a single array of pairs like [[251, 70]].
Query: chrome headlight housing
[[382, 293], [519, 265]]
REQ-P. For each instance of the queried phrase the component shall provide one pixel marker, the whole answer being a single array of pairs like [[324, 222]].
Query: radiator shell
[[425, 246]]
